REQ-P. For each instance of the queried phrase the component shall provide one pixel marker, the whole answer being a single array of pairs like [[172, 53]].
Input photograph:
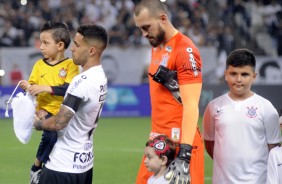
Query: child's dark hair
[[163, 147], [59, 30], [241, 57]]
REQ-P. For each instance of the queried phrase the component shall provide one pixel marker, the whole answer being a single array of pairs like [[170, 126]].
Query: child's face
[[48, 46], [239, 80], [152, 161]]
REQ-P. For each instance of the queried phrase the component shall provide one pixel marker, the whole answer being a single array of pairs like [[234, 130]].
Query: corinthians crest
[[62, 73], [252, 112]]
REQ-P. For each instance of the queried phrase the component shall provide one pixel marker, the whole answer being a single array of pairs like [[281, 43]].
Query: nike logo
[[43, 75], [279, 164]]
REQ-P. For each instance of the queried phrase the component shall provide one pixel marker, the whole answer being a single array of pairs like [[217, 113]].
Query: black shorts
[[54, 177]]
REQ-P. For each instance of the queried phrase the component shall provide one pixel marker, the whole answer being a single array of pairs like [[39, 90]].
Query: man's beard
[[156, 41], [76, 61]]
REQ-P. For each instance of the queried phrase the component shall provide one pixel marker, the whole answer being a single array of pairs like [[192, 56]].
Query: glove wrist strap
[[185, 152]]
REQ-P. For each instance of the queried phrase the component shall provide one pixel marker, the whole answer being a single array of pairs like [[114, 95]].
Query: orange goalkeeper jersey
[[179, 54]]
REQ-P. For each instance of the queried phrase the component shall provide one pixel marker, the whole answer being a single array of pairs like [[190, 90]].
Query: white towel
[[23, 106]]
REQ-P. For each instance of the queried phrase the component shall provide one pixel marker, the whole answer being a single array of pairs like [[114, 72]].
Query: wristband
[[184, 152]]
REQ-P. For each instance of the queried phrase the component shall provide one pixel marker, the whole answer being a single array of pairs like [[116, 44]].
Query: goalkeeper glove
[[168, 78], [178, 171]]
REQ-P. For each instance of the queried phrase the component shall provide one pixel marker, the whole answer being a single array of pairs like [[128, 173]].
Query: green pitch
[[118, 147]]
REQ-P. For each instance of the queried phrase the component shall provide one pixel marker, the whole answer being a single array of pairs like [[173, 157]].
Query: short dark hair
[[94, 32], [241, 57], [60, 32], [154, 7]]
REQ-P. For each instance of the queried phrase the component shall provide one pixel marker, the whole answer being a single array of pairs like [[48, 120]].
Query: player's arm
[[60, 120], [54, 90], [209, 129], [209, 145], [179, 170], [190, 94], [60, 90], [35, 89]]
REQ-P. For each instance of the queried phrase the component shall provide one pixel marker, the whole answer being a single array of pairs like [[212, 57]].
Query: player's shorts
[[48, 140], [54, 177], [196, 164]]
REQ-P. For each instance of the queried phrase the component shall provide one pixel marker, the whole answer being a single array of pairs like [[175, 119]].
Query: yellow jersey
[[55, 75]]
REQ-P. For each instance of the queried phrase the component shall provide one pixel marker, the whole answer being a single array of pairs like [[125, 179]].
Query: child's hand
[[24, 85], [41, 114], [36, 89]]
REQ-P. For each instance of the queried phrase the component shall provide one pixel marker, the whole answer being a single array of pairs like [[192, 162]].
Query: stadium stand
[[224, 24]]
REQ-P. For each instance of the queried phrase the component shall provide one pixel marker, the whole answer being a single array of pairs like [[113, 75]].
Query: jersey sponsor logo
[[252, 112], [192, 61], [76, 84], [77, 166], [165, 58], [83, 157], [63, 73]]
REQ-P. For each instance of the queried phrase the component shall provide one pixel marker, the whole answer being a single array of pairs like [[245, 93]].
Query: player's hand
[[178, 171]]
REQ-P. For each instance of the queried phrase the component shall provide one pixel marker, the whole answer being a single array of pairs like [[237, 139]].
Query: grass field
[[118, 145]]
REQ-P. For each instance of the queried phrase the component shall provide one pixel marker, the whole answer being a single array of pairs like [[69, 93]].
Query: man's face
[[150, 27], [79, 50]]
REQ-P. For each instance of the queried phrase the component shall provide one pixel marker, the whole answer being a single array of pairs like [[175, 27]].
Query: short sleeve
[[271, 122], [208, 124]]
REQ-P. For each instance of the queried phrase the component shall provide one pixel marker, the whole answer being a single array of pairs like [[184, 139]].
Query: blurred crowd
[[224, 24]]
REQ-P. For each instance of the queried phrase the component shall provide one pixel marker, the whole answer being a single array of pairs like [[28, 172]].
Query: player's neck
[[169, 35], [91, 63]]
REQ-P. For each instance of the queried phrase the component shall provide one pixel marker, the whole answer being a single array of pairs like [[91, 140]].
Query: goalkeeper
[[49, 80], [175, 87]]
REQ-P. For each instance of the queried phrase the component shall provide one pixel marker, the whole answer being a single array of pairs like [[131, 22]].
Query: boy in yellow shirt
[[49, 81]]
